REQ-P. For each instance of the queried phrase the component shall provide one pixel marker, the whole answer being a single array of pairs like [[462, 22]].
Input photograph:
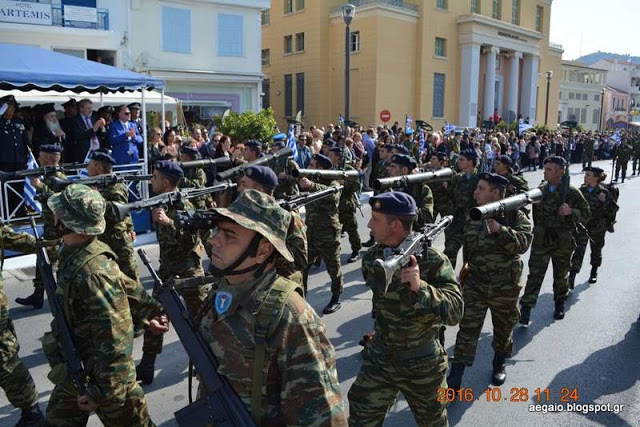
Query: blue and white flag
[[422, 142], [340, 120], [291, 143], [616, 137], [449, 128], [83, 172], [408, 121], [29, 191], [522, 127]]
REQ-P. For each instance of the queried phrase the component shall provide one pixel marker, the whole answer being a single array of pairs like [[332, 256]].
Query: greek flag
[[449, 128], [616, 137], [29, 191], [422, 142], [340, 120], [83, 172], [291, 143], [522, 127], [408, 121]]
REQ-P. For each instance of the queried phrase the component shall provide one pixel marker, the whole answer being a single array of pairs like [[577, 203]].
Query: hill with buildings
[[592, 58]]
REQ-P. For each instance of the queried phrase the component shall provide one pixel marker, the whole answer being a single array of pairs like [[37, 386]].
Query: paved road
[[594, 350]]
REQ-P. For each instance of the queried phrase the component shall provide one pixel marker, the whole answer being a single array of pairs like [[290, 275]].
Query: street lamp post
[[546, 109], [601, 108], [348, 12]]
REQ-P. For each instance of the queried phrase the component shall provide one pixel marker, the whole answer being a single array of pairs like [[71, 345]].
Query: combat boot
[[558, 313], [499, 374], [31, 417], [454, 380], [572, 278], [145, 370], [333, 306], [370, 242], [525, 314], [36, 299], [354, 257], [593, 278]]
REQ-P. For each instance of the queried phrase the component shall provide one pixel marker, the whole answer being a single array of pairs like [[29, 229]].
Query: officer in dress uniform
[[13, 145]]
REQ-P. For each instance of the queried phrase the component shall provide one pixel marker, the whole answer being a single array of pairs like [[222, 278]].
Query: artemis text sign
[[25, 12]]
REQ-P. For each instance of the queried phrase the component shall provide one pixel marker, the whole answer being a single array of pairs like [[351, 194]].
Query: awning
[[32, 97]]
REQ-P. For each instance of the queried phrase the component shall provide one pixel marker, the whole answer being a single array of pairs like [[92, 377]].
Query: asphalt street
[[589, 358]]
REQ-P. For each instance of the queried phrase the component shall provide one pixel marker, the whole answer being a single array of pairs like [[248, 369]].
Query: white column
[[512, 94], [469, 77], [529, 87], [489, 83]]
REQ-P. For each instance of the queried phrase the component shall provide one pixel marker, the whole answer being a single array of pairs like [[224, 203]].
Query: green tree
[[242, 127]]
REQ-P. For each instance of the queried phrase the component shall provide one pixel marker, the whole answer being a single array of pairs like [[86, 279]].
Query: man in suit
[[70, 112], [87, 128], [124, 138]]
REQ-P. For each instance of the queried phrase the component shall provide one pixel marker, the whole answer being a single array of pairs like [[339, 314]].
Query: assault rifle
[[60, 324], [44, 171], [220, 161], [443, 174], [233, 173], [220, 404], [168, 199], [415, 244], [98, 180], [513, 203], [324, 174], [302, 199]]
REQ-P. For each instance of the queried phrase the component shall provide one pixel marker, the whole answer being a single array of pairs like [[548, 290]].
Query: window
[[539, 18], [288, 95], [299, 5], [585, 96], [583, 115], [300, 92], [176, 30], [230, 35], [515, 12], [596, 97], [442, 4], [288, 45], [441, 47], [266, 90], [288, 6], [300, 42], [496, 11], [596, 116], [571, 95], [266, 57], [355, 41], [475, 6], [265, 16], [438, 95]]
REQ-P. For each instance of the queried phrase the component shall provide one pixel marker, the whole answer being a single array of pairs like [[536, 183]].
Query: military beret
[[47, 108], [393, 203], [279, 144], [253, 144], [401, 149], [329, 142], [440, 155], [99, 156], [494, 178], [134, 105], [323, 160], [505, 159], [168, 168], [263, 175], [279, 137], [336, 149], [555, 159], [594, 169], [69, 102], [404, 160], [185, 149], [408, 131], [51, 148], [469, 153]]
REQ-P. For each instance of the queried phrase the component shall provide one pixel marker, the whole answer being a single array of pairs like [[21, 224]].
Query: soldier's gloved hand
[[159, 324], [411, 275], [564, 210], [86, 404]]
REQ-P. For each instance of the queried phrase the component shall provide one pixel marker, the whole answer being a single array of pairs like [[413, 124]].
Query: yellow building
[[436, 60]]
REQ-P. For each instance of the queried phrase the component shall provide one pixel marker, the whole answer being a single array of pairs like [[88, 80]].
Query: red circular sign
[[385, 115]]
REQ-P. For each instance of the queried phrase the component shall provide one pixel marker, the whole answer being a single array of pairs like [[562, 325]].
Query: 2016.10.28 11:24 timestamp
[[516, 394]]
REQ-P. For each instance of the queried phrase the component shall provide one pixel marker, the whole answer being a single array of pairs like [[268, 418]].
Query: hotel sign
[[25, 12]]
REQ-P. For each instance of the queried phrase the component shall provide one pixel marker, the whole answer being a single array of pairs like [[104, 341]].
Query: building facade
[[581, 94], [436, 60], [623, 82]]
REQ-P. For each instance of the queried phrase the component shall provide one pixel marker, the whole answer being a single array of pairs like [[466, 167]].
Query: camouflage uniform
[[601, 217], [347, 208], [421, 193], [196, 178], [461, 189], [553, 239], [442, 204], [587, 151], [180, 255], [117, 234], [323, 235], [381, 171], [15, 379], [493, 282], [517, 185], [288, 185], [298, 246], [621, 157], [405, 354]]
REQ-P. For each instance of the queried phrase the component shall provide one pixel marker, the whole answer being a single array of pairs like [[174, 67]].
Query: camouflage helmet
[[258, 211], [80, 208]]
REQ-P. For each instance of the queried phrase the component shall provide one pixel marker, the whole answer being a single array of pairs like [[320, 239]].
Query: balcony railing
[[555, 45], [399, 4], [58, 20]]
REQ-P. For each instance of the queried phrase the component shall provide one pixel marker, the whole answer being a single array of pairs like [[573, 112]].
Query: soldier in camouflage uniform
[[180, 256], [554, 225], [517, 184], [287, 185], [49, 156], [401, 165], [118, 234], [381, 171], [15, 379], [603, 211], [99, 311], [461, 189], [441, 198], [194, 178], [323, 231], [349, 203], [404, 354], [621, 158], [587, 150], [635, 145], [493, 248], [263, 179]]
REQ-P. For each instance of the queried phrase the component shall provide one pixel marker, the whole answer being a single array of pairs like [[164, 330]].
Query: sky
[[587, 26]]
